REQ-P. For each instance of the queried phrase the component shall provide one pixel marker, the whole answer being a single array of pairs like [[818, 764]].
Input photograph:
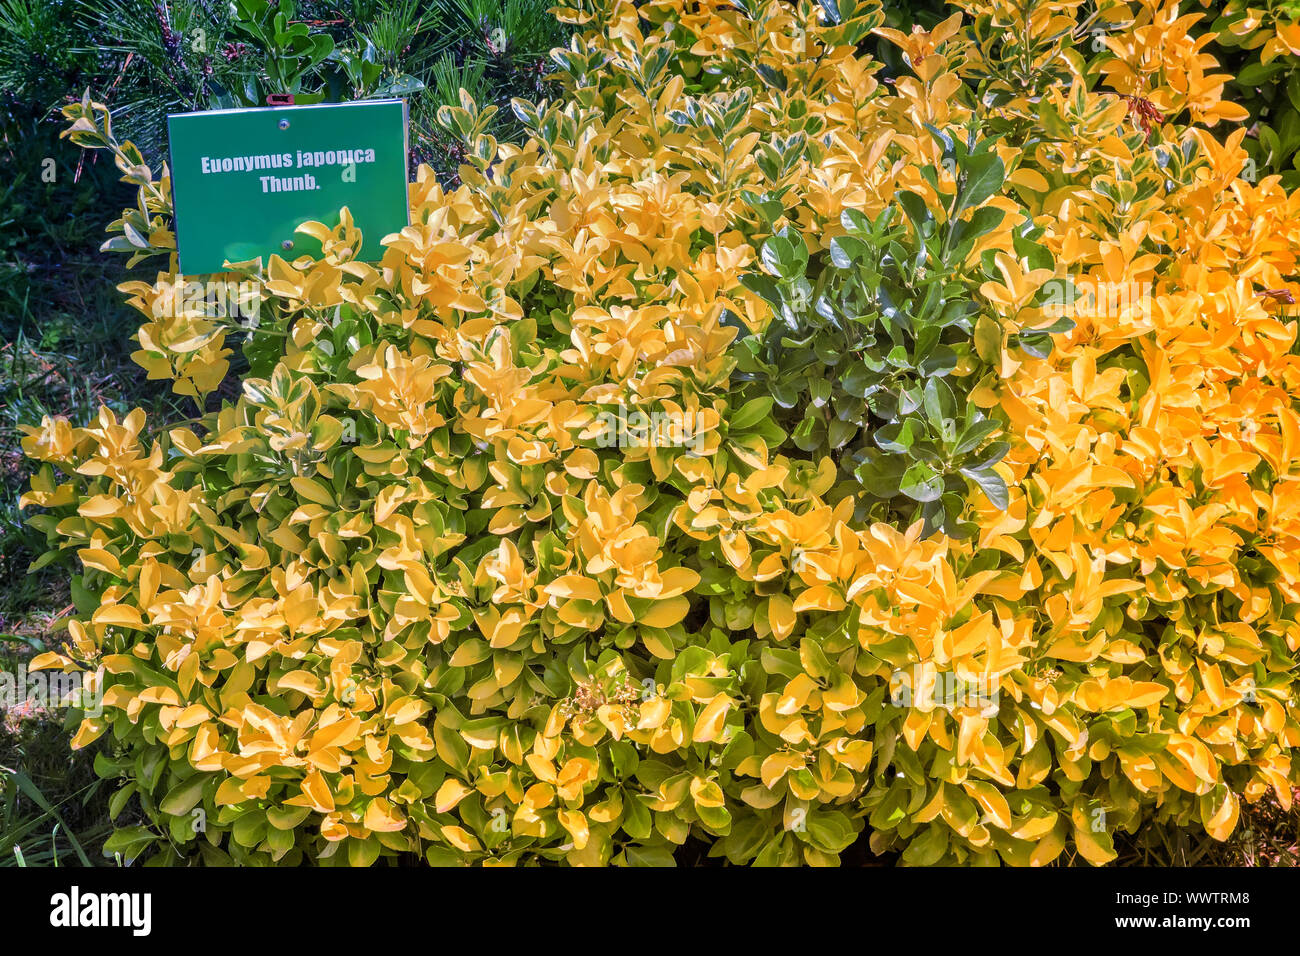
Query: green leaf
[[361, 852], [847, 250], [778, 257], [650, 856], [832, 9], [249, 828], [921, 483], [984, 176], [859, 381], [940, 404], [840, 432], [772, 77], [976, 435], [991, 455], [830, 831], [636, 817], [855, 220], [880, 475], [991, 483], [750, 414], [965, 232], [917, 211], [403, 84], [130, 842], [763, 286], [895, 437], [928, 848], [742, 844], [183, 797], [1257, 74], [1037, 344]]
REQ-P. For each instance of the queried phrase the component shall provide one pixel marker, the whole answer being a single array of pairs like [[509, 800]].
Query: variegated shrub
[[724, 462]]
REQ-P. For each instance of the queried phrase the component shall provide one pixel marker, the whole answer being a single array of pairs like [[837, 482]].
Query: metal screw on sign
[[280, 99], [287, 245]]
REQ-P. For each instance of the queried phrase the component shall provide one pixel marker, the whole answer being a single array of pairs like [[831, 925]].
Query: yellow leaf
[[712, 719], [667, 613], [50, 660], [781, 616]]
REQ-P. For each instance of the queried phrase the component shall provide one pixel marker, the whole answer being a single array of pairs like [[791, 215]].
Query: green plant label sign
[[244, 180]]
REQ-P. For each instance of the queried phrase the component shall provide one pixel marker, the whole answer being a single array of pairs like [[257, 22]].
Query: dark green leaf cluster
[[877, 342], [1271, 93]]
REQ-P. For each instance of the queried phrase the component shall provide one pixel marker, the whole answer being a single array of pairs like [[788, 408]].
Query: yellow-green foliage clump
[[724, 462]]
